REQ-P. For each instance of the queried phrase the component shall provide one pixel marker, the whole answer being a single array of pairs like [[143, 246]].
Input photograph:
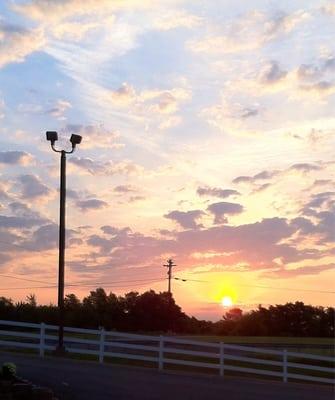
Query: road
[[84, 380]]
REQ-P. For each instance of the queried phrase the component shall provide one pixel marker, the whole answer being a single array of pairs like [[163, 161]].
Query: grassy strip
[[262, 339]]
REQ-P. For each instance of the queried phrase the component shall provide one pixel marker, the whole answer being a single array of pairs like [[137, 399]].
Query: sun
[[227, 301]]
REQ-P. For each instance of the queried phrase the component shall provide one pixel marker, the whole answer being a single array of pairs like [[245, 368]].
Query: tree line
[[159, 313]]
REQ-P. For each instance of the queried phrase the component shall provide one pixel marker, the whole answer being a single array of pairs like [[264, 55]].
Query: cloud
[[228, 110], [91, 204], [328, 64], [317, 218], [95, 136], [322, 88], [72, 194], [249, 32], [230, 115], [329, 9], [186, 219], [216, 192], [15, 158], [56, 11], [23, 218], [124, 95], [45, 238], [32, 187], [4, 187], [321, 182], [7, 239], [263, 175], [124, 189], [243, 179], [305, 167], [221, 209], [22, 210], [98, 241], [271, 73], [17, 43], [268, 175], [112, 230], [261, 188], [283, 273], [74, 30], [320, 199], [298, 82], [2, 108], [170, 122], [19, 222], [255, 245], [177, 19], [58, 110], [106, 168], [133, 199], [308, 72], [148, 100]]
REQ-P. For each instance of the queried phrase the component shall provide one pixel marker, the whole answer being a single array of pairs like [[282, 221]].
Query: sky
[[208, 137]]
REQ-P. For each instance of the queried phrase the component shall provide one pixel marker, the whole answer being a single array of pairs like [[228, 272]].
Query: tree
[[31, 300], [233, 314]]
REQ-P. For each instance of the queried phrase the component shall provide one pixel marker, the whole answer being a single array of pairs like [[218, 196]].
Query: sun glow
[[227, 301]]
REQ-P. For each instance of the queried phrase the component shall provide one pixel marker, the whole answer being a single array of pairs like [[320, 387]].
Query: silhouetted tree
[[158, 312]]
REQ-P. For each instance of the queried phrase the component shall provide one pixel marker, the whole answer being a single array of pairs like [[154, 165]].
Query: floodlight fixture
[[75, 139], [52, 137]]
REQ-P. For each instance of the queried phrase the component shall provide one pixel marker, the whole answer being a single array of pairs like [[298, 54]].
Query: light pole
[[75, 139]]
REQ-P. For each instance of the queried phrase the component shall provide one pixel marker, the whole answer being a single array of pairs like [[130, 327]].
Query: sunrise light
[[227, 301]]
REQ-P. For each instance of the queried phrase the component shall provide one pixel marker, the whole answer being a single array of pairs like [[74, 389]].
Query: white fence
[[164, 351]]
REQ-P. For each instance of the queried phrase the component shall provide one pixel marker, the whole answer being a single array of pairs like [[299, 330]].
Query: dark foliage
[[158, 312]]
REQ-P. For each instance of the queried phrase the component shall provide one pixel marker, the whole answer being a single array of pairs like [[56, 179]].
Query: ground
[[83, 380]]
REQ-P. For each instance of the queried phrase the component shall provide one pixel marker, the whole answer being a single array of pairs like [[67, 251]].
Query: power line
[[111, 284], [24, 279], [289, 289], [191, 280], [89, 285], [263, 287], [125, 281], [76, 283], [84, 284]]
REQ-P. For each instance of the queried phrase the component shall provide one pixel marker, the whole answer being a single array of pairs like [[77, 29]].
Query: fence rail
[[166, 350]]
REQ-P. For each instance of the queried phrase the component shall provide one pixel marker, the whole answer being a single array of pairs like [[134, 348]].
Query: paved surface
[[90, 381]]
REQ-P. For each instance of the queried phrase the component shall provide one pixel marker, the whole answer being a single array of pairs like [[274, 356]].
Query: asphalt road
[[83, 380]]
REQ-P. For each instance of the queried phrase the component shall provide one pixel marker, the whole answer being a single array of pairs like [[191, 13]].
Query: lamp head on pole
[[75, 139], [52, 137]]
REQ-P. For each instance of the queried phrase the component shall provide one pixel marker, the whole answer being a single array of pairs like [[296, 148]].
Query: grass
[[263, 339]]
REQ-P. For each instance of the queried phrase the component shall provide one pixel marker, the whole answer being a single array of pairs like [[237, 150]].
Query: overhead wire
[[92, 284], [262, 287], [134, 281]]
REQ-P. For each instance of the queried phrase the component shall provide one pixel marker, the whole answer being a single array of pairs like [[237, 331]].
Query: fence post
[[285, 365], [221, 359], [42, 339], [102, 345], [161, 353]]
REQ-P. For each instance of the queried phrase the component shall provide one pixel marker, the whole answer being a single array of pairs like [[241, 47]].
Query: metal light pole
[[75, 139]]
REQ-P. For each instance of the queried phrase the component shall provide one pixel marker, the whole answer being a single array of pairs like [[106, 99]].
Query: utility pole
[[169, 265]]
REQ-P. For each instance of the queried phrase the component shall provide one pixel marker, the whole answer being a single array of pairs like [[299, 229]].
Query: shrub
[[8, 370]]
